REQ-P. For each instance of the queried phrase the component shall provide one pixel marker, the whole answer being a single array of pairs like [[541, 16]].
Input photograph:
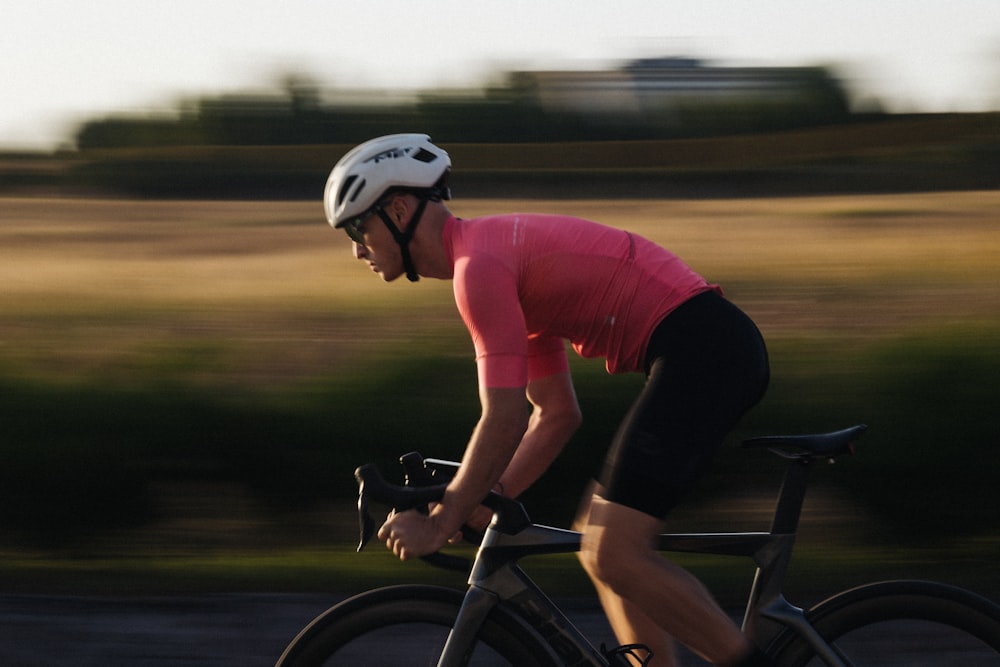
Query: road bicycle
[[504, 618]]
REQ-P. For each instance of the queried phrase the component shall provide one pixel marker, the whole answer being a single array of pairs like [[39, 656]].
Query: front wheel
[[406, 626], [911, 623]]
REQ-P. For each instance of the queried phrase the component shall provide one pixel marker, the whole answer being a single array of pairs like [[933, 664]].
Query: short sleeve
[[487, 299], [546, 356]]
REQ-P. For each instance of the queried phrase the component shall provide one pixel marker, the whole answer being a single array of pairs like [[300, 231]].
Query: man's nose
[[360, 251]]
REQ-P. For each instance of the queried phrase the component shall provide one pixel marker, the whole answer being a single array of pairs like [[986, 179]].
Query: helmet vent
[[344, 189], [349, 189], [357, 190], [424, 155]]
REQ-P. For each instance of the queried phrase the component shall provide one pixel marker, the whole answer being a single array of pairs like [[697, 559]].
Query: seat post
[[791, 496]]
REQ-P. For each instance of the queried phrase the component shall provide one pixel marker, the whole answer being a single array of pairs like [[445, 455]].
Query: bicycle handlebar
[[425, 485], [371, 485]]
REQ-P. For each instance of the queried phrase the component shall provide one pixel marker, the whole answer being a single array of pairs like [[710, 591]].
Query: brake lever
[[368, 473], [417, 474], [367, 524]]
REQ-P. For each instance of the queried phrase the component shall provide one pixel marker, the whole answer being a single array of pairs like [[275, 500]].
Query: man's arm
[[554, 419], [507, 447], [502, 425], [498, 433]]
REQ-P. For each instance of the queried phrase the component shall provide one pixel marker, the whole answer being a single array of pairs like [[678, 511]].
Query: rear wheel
[[902, 623], [406, 626]]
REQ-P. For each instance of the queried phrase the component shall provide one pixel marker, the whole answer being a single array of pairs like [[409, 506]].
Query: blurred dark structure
[[682, 97], [666, 98], [655, 127]]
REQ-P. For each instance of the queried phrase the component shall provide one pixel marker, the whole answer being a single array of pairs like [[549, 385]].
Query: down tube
[[553, 626]]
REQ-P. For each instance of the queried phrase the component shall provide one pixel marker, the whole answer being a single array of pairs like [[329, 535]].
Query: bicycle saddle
[[818, 445]]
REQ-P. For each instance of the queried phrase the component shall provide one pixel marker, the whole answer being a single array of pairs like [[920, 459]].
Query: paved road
[[229, 630], [208, 631]]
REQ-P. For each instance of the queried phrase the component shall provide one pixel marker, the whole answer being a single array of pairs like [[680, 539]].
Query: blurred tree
[[509, 111]]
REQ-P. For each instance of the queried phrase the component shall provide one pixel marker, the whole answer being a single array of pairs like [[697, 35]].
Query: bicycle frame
[[497, 578]]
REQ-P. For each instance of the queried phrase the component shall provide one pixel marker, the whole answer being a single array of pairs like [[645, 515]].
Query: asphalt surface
[[250, 630], [208, 631]]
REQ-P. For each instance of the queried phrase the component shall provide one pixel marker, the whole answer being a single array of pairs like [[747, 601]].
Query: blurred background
[[191, 365]]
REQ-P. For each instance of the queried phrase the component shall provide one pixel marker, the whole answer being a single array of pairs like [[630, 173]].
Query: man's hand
[[480, 519], [412, 534]]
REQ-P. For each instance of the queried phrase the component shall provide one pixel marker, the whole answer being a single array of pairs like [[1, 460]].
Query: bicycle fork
[[462, 638], [497, 578]]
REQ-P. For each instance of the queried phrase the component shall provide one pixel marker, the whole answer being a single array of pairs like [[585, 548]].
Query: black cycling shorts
[[706, 365]]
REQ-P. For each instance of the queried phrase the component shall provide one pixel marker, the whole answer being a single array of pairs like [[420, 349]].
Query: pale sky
[[64, 61]]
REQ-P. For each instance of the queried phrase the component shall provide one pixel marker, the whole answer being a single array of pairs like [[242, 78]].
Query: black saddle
[[818, 445]]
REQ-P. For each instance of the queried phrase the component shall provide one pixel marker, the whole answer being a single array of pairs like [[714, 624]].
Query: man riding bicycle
[[523, 285]]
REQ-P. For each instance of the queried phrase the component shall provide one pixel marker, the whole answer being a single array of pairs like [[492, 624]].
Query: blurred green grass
[[819, 569]]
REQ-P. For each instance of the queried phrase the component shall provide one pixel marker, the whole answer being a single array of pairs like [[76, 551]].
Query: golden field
[[267, 292]]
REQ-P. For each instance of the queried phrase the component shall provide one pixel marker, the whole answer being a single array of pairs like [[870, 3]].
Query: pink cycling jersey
[[525, 282]]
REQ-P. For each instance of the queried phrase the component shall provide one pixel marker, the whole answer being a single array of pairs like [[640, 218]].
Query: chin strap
[[403, 238]]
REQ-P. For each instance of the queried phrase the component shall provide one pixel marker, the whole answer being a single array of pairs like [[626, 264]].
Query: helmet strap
[[403, 238]]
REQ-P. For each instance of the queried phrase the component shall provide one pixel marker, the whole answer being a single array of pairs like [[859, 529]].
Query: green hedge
[[80, 458]]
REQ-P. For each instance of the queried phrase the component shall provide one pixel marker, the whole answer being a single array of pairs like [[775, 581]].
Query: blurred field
[[258, 307], [98, 288]]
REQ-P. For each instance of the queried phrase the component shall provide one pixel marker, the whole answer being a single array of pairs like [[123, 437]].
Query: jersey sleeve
[[546, 356], [487, 299]]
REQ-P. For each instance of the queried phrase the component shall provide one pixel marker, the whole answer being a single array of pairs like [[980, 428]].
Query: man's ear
[[401, 210], [404, 206]]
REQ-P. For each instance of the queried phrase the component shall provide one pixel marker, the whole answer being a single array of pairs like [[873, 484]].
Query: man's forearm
[[553, 422], [539, 447], [497, 436]]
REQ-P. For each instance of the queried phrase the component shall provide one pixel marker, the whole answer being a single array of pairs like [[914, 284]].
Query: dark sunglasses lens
[[353, 229]]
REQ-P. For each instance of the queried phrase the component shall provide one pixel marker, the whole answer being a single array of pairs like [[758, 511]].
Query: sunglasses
[[355, 227]]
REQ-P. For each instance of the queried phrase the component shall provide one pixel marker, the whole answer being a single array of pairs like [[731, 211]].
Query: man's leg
[[646, 596], [630, 624]]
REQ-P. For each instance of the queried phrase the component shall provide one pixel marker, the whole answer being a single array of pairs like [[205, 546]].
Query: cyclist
[[523, 284]]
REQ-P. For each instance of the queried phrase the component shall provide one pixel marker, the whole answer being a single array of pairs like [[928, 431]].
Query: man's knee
[[589, 555], [614, 548], [614, 564]]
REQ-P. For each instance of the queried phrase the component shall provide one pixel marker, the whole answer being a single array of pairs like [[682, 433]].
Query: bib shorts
[[706, 365]]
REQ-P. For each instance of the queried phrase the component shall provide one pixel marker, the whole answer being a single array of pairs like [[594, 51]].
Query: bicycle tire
[[406, 626], [912, 623]]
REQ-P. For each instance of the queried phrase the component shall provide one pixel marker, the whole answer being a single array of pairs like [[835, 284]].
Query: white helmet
[[363, 176]]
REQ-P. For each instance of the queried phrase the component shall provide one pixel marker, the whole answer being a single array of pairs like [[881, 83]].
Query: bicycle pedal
[[627, 656]]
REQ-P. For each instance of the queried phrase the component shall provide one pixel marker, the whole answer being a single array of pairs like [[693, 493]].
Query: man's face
[[379, 248]]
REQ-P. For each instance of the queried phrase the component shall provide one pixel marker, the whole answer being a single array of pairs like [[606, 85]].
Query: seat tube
[[766, 596], [791, 497]]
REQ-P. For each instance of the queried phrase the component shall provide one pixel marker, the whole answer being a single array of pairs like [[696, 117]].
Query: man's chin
[[388, 277]]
